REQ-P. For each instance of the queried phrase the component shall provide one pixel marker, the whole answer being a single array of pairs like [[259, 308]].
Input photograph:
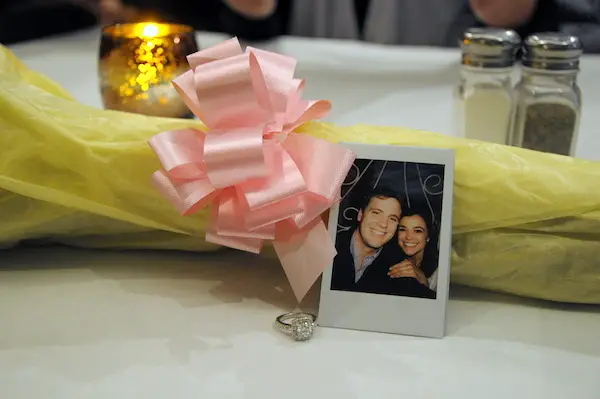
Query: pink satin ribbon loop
[[278, 72], [188, 196], [283, 181], [226, 95], [309, 110], [184, 85], [234, 156], [230, 216], [312, 206], [313, 155], [180, 153], [263, 181], [225, 49], [270, 215]]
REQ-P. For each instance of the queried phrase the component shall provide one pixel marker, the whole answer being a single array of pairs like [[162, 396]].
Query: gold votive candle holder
[[137, 63]]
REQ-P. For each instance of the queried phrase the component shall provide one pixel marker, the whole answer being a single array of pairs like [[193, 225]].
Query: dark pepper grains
[[549, 128]]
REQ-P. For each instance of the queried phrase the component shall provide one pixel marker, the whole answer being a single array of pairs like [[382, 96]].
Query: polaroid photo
[[392, 231]]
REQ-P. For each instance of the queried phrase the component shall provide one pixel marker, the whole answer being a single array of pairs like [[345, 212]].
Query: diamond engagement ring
[[301, 326]]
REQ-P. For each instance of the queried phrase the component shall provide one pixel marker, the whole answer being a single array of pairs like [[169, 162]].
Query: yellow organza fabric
[[524, 222]]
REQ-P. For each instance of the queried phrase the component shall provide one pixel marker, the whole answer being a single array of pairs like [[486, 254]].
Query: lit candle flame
[[150, 30]]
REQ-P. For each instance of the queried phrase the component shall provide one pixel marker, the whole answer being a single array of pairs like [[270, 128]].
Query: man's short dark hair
[[382, 192]]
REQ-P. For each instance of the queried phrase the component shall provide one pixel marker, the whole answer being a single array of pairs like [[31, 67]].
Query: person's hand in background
[[504, 13], [256, 9]]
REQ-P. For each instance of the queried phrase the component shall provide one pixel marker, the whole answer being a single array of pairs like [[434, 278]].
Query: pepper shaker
[[484, 97], [548, 97]]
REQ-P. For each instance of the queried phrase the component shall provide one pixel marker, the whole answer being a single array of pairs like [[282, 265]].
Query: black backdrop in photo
[[417, 183]]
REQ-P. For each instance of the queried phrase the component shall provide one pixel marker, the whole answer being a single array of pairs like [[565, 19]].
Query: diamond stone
[[302, 329]]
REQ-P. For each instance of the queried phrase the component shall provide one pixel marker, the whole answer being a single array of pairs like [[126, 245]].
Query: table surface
[[98, 324]]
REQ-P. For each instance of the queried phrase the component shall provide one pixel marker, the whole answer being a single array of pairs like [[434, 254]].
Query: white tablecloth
[[101, 324]]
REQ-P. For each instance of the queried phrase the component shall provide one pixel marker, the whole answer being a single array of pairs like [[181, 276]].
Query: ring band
[[301, 325]]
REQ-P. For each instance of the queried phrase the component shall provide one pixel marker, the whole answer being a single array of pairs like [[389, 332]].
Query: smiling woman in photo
[[417, 238]]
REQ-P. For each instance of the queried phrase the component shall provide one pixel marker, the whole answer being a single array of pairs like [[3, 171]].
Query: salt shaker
[[484, 97], [548, 97]]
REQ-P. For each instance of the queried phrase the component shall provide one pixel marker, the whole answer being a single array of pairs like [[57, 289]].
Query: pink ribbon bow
[[263, 181]]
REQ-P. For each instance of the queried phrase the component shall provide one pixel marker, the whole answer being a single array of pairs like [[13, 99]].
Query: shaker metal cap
[[552, 51], [489, 47]]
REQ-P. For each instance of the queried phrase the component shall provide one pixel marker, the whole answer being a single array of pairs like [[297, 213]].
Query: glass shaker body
[[548, 97], [483, 98], [484, 104], [548, 111]]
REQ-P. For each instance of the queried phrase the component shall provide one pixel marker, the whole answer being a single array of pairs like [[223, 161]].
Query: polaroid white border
[[388, 313]]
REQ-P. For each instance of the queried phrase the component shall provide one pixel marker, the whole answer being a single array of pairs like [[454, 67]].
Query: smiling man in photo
[[356, 266]]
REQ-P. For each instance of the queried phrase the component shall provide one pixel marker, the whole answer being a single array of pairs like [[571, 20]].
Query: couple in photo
[[392, 250]]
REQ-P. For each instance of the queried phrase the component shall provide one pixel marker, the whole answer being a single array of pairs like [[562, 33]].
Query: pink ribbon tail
[[305, 256]]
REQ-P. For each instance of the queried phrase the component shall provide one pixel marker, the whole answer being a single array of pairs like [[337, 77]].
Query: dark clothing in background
[[578, 17], [26, 20], [22, 20], [215, 16]]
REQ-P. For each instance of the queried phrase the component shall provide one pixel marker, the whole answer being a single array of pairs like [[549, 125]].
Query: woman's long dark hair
[[431, 251]]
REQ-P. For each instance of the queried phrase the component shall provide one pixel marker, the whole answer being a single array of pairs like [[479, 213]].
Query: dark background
[[423, 183]]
